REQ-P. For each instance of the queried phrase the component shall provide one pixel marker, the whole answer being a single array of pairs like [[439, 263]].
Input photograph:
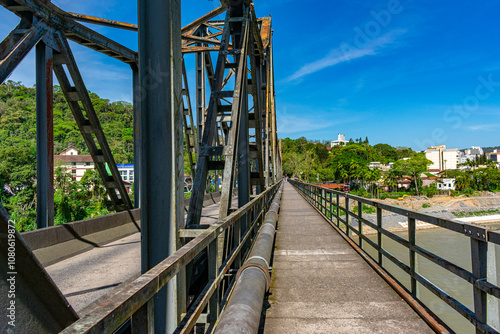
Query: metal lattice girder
[[188, 121], [18, 44], [229, 151], [86, 118], [58, 19]]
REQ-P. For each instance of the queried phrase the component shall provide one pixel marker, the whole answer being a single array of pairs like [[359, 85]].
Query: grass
[[426, 205], [476, 213]]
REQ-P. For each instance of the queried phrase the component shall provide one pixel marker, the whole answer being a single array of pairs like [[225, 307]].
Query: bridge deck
[[85, 278], [321, 285]]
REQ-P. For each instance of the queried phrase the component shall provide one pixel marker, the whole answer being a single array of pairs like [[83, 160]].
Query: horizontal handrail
[[327, 202], [114, 312]]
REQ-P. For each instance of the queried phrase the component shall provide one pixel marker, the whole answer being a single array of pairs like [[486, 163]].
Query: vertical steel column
[[200, 88], [161, 178], [44, 136], [266, 124], [137, 135]]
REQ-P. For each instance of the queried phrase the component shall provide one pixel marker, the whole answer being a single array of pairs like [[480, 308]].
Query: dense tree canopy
[[18, 152]]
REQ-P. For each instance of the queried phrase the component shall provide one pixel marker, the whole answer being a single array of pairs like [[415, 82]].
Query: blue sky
[[408, 73]]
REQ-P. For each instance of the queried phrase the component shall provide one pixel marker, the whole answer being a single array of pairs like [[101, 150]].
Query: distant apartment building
[[470, 154], [494, 156], [76, 164], [474, 150], [340, 141], [126, 172], [443, 158]]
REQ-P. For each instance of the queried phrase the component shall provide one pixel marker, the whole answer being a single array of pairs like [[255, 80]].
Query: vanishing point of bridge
[[260, 255]]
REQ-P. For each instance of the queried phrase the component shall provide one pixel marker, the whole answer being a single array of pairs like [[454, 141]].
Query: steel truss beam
[[86, 118], [233, 131]]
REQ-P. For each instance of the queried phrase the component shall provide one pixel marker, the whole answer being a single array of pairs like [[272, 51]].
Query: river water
[[455, 248]]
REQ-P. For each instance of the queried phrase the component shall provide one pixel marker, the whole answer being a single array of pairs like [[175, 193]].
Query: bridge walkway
[[321, 285], [87, 277]]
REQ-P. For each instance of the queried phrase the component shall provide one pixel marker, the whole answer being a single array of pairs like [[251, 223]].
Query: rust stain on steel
[[197, 49], [265, 32], [105, 22], [204, 18]]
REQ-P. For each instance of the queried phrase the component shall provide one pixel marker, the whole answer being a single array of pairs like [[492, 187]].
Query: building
[[376, 164], [474, 150], [446, 184], [494, 156], [76, 164], [443, 158], [340, 141], [126, 172]]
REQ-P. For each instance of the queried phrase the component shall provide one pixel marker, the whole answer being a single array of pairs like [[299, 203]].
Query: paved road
[[86, 277], [321, 285]]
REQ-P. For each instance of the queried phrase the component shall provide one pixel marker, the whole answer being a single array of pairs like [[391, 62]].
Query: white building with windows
[[446, 184], [340, 141], [76, 164], [443, 158], [126, 172]]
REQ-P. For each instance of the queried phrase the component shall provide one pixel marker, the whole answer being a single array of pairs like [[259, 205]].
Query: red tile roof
[[73, 158]]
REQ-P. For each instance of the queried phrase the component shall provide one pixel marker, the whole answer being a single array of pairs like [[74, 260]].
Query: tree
[[413, 167]]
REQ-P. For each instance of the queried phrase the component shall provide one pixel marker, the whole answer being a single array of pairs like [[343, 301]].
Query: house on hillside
[[76, 164], [340, 141]]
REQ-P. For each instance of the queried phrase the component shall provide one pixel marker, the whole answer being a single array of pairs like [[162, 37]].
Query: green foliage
[[366, 209], [426, 205], [73, 200], [413, 167], [476, 213]]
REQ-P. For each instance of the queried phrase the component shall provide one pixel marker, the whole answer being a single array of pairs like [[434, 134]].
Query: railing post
[[323, 201], [479, 253], [412, 240], [143, 320], [360, 224], [347, 216], [379, 236], [338, 210], [213, 306], [331, 207]]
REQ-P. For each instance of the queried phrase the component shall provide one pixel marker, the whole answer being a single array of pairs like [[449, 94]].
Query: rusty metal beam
[[60, 20], [103, 22], [17, 45]]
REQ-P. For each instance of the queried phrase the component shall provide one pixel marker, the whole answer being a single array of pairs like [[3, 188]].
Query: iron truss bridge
[[229, 132]]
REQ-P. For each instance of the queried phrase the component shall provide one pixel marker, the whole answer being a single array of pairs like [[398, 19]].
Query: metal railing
[[136, 300], [328, 203]]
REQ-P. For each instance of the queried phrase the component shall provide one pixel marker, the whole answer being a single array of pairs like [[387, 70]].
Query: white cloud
[[302, 120], [346, 53], [483, 127]]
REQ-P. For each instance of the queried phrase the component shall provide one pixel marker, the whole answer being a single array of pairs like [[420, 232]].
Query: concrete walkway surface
[[85, 278], [321, 285]]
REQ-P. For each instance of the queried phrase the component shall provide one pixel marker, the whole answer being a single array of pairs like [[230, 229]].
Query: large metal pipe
[[244, 308]]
